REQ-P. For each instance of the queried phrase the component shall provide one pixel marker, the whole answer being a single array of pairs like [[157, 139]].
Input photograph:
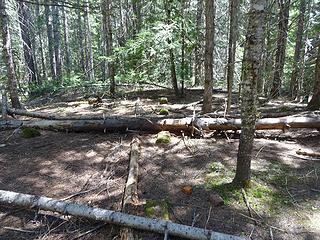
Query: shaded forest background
[[99, 46]]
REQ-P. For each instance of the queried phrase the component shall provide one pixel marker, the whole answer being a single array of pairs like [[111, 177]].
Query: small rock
[[215, 200]]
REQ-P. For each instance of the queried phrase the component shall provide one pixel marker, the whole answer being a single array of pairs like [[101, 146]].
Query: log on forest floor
[[130, 195], [112, 217], [187, 125]]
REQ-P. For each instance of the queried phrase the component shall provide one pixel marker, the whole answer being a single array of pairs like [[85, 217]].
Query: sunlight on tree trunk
[[250, 70]]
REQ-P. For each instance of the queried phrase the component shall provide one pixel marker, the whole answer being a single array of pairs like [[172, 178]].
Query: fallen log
[[123, 124], [118, 218], [130, 195]]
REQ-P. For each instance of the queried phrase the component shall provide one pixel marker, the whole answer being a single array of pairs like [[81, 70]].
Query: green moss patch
[[157, 209], [30, 132], [164, 111], [163, 137], [163, 100]]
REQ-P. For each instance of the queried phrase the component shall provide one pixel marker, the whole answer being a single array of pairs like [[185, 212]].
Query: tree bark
[[40, 38], [7, 55], [154, 125], [80, 39], [198, 52], [106, 12], [208, 56], [233, 36], [314, 104], [24, 21], [88, 44], [298, 52], [123, 219], [250, 77], [57, 41], [283, 20], [50, 42], [174, 81], [67, 56]]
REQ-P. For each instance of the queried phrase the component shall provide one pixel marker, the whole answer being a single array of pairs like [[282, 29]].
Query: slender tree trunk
[[198, 52], [80, 40], [173, 71], [7, 55], [250, 77], [314, 104], [57, 41], [183, 48], [233, 36], [40, 38], [24, 20], [106, 12], [67, 56], [50, 42], [283, 21], [298, 51], [88, 48], [136, 7], [208, 56]]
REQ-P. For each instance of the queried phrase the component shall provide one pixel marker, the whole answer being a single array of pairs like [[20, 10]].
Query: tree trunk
[[154, 125], [174, 81], [314, 104], [88, 44], [80, 39], [7, 55], [137, 22], [24, 21], [283, 21], [250, 77], [233, 36], [57, 41], [298, 52], [50, 42], [67, 56], [122, 219], [198, 52], [107, 12], [208, 56], [40, 38]]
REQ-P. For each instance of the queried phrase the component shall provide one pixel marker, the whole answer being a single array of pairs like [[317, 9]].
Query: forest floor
[[285, 194]]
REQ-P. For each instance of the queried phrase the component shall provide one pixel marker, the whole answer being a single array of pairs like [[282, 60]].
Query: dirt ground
[[285, 195]]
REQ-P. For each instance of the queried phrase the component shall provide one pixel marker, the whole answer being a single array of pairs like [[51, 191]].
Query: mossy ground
[[262, 195]]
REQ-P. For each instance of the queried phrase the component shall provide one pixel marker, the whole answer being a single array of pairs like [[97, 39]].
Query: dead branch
[[112, 217]]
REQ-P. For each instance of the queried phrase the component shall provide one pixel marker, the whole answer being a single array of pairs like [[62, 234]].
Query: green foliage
[[30, 132], [163, 100]]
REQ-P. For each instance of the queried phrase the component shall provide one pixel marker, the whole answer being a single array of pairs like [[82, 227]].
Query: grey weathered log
[[130, 194], [124, 124], [112, 217]]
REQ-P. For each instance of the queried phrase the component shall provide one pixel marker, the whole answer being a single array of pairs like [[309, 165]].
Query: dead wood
[[112, 217], [308, 153], [130, 195], [140, 124]]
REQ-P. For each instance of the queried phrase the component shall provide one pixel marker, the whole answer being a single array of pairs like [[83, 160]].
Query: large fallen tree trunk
[[123, 219], [120, 124]]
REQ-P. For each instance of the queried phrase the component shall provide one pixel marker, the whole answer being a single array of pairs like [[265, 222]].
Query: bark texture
[[233, 36], [198, 53], [299, 50], [12, 81], [208, 56], [250, 77], [122, 219], [283, 20], [314, 104]]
